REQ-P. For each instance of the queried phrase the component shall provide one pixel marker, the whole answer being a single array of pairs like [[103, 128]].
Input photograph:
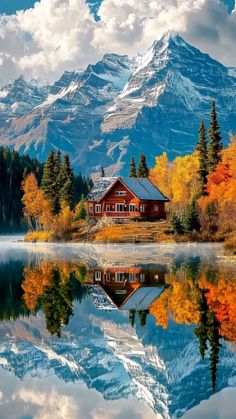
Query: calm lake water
[[116, 332]]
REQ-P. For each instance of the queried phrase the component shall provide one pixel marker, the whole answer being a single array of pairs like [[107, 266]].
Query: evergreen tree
[[49, 179], [143, 170], [66, 179], [191, 218], [215, 146], [201, 147], [102, 172], [143, 317], [202, 329], [214, 340], [82, 212], [177, 224], [132, 317], [132, 172]]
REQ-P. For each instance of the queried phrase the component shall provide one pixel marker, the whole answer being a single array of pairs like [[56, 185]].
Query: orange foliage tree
[[37, 209], [221, 189]]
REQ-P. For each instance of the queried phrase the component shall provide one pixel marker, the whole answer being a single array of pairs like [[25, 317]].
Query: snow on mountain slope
[[119, 107]]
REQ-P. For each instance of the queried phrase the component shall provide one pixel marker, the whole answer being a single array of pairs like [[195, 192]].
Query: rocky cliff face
[[120, 107]]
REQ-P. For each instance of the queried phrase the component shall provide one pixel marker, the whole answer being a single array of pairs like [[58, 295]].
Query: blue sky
[[10, 6]]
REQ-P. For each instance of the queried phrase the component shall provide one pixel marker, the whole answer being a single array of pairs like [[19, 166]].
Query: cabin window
[[120, 193], [156, 208], [97, 276], [97, 208], [120, 276], [132, 207], [120, 207], [108, 208], [142, 277], [132, 277], [142, 208], [107, 277]]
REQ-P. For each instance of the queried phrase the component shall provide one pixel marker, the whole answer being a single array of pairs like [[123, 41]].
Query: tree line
[[15, 168], [201, 186]]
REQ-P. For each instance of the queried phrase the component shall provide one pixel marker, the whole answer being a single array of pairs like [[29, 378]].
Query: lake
[[116, 331]]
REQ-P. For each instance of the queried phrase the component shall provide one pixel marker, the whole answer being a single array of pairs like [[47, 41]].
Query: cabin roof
[[142, 188], [142, 298]]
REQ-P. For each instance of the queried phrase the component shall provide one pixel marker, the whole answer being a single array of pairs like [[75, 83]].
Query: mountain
[[19, 98], [161, 368], [120, 107]]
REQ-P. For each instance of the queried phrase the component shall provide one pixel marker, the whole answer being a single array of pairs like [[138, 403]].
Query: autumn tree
[[215, 145], [143, 170], [161, 174], [37, 208], [132, 172]]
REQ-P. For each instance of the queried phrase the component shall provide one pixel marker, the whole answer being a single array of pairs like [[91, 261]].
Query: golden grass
[[41, 236], [134, 232]]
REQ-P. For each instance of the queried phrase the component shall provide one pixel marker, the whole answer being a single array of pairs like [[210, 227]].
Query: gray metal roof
[[142, 188], [142, 298]]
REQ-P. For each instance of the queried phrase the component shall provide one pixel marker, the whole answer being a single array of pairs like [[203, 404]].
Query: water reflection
[[163, 332]]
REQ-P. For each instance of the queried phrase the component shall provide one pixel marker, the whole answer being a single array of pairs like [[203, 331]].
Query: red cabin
[[127, 198]]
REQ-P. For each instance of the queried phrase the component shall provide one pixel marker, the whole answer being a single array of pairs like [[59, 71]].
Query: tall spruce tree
[[49, 178], [143, 170], [214, 340], [102, 172], [201, 147], [215, 145], [132, 172], [66, 178]]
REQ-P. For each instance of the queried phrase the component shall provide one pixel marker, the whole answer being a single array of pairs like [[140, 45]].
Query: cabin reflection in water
[[127, 288]]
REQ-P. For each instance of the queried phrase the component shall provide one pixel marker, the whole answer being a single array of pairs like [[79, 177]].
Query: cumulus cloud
[[51, 405], [58, 35]]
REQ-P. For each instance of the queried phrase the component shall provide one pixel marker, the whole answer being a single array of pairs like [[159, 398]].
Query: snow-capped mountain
[[19, 98], [161, 368], [120, 107]]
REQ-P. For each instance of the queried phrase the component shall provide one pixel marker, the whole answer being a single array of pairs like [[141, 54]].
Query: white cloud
[[58, 35], [51, 405]]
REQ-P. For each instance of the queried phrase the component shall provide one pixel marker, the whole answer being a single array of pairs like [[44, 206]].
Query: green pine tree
[[202, 329], [177, 224], [132, 172], [49, 179], [102, 172], [143, 170], [215, 146], [66, 179], [214, 340], [132, 317], [191, 218], [201, 147], [82, 212]]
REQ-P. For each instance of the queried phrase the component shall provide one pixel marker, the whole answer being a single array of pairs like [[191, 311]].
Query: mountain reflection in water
[[162, 331]]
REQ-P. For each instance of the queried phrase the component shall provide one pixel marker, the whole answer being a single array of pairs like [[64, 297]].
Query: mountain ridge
[[119, 107]]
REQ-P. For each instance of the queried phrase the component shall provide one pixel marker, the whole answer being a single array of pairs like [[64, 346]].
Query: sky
[[44, 38]]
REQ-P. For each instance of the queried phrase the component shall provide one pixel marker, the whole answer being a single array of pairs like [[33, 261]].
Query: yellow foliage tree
[[177, 180], [37, 208]]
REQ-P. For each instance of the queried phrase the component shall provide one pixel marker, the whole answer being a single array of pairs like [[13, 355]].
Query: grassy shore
[[130, 232]]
